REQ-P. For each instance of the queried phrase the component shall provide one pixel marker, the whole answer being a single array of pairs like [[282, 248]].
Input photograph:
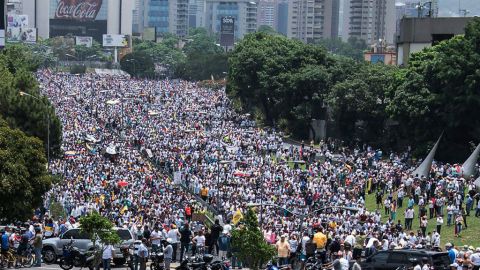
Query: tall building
[[157, 15], [138, 17], [266, 11], [244, 13], [370, 20], [282, 13], [167, 16], [309, 20], [196, 13]]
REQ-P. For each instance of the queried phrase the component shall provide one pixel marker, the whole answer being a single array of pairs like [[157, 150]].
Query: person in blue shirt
[[451, 252], [5, 243]]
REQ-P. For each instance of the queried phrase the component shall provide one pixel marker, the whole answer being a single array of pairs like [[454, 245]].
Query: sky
[[449, 8]]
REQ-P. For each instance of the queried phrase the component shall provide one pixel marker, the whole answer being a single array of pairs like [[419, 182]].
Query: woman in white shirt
[[199, 242]]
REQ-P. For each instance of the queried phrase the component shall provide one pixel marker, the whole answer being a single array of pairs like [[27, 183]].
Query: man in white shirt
[[143, 254], [107, 256], [475, 259], [173, 235], [156, 237]]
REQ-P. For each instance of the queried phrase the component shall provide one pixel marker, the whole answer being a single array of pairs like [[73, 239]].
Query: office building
[[196, 13], [310, 20], [244, 13], [369, 20], [266, 13], [419, 33], [167, 16], [282, 14]]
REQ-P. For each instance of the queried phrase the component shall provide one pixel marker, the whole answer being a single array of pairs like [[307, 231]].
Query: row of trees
[[23, 134], [199, 59], [288, 83]]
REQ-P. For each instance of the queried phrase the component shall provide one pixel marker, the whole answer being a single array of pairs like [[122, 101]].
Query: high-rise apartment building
[[369, 20], [244, 13], [266, 13], [310, 20]]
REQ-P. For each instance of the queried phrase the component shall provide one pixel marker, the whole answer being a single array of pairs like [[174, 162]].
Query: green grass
[[469, 236]]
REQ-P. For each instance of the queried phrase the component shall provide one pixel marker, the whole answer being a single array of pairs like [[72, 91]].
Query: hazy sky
[[449, 8]]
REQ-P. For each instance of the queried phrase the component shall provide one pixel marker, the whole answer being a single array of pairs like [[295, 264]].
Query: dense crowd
[[123, 139]]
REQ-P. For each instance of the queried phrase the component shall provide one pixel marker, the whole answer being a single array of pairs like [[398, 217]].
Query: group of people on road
[[154, 153]]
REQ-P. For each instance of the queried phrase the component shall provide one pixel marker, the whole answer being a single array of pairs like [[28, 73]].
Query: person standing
[[143, 254], [185, 238], [423, 225], [439, 223], [167, 253], [215, 234], [38, 245], [475, 259], [173, 235], [283, 251], [107, 256]]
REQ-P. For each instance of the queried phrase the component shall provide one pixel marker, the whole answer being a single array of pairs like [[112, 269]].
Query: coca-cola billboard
[[79, 10]]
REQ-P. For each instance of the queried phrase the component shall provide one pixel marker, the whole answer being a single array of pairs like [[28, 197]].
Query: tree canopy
[[23, 174], [17, 62], [287, 83]]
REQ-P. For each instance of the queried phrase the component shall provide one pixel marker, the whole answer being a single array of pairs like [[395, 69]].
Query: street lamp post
[[48, 126]]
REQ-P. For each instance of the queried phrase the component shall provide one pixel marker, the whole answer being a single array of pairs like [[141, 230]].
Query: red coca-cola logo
[[82, 10]]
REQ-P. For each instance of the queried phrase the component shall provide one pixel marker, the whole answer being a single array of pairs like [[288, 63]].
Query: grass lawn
[[469, 236]]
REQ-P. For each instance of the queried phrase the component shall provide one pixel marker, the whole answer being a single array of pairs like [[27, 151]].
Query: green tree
[[138, 64], [99, 228], [249, 243], [23, 175], [24, 112], [354, 48], [282, 80], [204, 58]]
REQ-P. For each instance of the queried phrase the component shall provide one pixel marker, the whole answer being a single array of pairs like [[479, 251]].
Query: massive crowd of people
[[123, 139]]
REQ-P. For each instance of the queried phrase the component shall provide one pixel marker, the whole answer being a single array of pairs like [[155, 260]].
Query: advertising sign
[[227, 31], [17, 21], [78, 10], [85, 41], [25, 34], [115, 40], [78, 18]]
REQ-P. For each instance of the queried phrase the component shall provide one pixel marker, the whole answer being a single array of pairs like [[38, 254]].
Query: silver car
[[53, 247]]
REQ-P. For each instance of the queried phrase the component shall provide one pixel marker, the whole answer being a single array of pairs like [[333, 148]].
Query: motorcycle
[[197, 263], [220, 265], [157, 261], [72, 256], [127, 252]]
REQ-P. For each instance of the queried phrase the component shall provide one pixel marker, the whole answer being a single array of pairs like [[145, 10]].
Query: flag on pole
[[237, 217]]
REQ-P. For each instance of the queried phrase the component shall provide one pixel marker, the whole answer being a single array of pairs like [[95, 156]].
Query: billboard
[[17, 21], [85, 41], [115, 40], [24, 34], [78, 10], [227, 31], [78, 18]]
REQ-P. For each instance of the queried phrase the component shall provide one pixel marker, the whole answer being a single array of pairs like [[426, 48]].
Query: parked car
[[53, 247], [392, 259]]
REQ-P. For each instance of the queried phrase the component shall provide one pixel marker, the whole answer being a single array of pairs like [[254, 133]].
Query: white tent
[[468, 167], [424, 168]]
